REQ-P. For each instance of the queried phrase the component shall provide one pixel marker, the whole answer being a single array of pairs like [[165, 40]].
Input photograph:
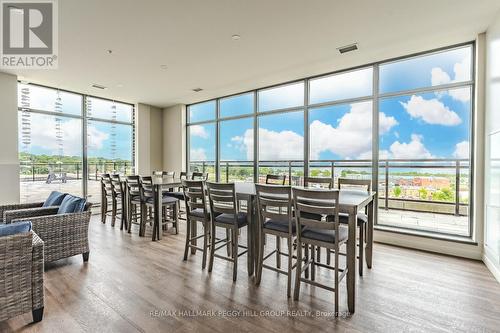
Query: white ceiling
[[281, 40]]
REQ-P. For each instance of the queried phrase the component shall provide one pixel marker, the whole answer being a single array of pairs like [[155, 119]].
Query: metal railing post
[[333, 172], [227, 172], [457, 187], [289, 172], [386, 184], [77, 171], [33, 171]]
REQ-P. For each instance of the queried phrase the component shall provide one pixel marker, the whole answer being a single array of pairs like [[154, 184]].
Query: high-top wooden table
[[351, 202]]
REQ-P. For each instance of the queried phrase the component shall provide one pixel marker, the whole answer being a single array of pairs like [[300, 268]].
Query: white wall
[[174, 138], [492, 150], [9, 159], [149, 139]]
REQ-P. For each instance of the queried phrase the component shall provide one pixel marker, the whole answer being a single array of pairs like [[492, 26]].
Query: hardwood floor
[[131, 284]]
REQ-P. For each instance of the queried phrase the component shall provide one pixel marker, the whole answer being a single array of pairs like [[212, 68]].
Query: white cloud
[[199, 131], [432, 111], [43, 135], [351, 138], [197, 154], [461, 72], [95, 138], [353, 135], [284, 145], [461, 150], [460, 94], [438, 76], [414, 149]]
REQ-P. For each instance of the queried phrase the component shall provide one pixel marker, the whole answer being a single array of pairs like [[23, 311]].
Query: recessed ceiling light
[[98, 86], [348, 48], [197, 89], [109, 51], [163, 66], [235, 37]]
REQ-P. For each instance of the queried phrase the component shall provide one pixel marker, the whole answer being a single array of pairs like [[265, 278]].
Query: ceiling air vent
[[197, 89], [98, 86], [348, 48]]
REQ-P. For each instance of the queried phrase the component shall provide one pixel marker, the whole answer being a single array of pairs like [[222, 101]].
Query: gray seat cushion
[[324, 235], [241, 219], [177, 195], [165, 200], [279, 225], [198, 212], [362, 218]]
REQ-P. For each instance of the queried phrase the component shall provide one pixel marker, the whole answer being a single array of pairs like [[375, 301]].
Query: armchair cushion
[[15, 228], [55, 198], [71, 204]]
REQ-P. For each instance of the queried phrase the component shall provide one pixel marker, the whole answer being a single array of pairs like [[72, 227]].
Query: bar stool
[[118, 200], [275, 179], [224, 214], [199, 176], [133, 201], [169, 207], [106, 196], [196, 211], [326, 233], [275, 216]]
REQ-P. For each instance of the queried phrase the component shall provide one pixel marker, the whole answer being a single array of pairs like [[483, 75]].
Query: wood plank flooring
[[132, 284]]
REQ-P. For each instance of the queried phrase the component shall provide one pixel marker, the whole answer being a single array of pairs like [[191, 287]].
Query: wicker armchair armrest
[[37, 272], [10, 215], [64, 235], [4, 208]]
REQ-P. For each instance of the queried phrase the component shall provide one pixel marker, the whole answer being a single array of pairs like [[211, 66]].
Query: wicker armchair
[[21, 276], [64, 235]]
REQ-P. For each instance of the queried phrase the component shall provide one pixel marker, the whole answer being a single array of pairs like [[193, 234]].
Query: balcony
[[39, 179]]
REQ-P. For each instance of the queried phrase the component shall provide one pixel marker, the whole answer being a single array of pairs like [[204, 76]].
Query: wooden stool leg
[[260, 256], [188, 233], [278, 252], [313, 266], [290, 267], [235, 252], [361, 250], [206, 233], [212, 248], [306, 255], [298, 272], [113, 210]]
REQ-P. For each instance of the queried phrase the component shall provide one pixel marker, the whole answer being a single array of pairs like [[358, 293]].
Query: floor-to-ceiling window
[[406, 124], [110, 140], [425, 156], [52, 128]]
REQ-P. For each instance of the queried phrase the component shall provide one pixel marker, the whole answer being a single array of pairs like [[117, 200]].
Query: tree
[[444, 194], [422, 193], [396, 191]]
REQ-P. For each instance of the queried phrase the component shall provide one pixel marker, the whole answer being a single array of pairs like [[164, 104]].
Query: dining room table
[[351, 201]]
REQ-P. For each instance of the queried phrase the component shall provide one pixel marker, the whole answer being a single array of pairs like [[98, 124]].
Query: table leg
[[351, 260], [157, 195], [369, 235], [251, 234]]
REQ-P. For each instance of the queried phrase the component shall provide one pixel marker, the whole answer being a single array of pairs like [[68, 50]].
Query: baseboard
[[470, 251], [492, 266]]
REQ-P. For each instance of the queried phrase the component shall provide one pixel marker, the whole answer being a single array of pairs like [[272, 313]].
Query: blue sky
[[427, 125]]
